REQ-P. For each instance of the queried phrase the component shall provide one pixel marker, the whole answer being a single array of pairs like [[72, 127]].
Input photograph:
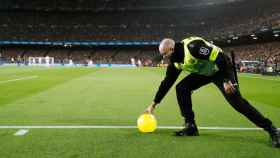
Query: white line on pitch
[[21, 132], [18, 79], [122, 127]]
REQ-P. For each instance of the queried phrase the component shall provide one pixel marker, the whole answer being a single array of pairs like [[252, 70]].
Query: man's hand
[[229, 87], [150, 109]]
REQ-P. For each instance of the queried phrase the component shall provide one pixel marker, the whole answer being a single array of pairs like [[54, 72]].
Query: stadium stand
[[117, 20], [141, 20]]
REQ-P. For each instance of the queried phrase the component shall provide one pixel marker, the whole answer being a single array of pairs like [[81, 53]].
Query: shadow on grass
[[210, 137]]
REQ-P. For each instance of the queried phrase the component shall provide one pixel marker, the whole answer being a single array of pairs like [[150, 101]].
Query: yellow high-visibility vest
[[199, 66]]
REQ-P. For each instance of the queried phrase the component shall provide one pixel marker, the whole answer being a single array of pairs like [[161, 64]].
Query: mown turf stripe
[[124, 127], [262, 78], [19, 79]]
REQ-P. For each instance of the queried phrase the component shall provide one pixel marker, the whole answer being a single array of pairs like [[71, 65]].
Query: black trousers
[[194, 81]]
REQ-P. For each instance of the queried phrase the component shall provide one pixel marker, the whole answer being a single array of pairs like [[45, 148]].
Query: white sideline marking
[[21, 132], [123, 127], [18, 79], [261, 78]]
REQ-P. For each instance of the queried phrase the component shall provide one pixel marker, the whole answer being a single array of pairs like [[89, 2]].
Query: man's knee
[[238, 102], [182, 89]]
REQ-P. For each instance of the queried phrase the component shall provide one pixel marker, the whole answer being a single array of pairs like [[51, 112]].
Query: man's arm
[[201, 50], [171, 76], [225, 67]]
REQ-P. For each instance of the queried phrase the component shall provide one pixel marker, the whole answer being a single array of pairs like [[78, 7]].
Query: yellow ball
[[147, 123]]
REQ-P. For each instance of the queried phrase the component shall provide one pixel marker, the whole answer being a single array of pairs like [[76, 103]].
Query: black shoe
[[275, 138], [189, 130]]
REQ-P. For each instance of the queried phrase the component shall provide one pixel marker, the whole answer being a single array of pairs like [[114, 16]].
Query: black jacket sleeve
[[199, 49], [225, 67], [171, 76]]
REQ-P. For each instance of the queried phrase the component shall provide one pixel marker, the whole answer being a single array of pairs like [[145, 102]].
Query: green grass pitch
[[117, 96]]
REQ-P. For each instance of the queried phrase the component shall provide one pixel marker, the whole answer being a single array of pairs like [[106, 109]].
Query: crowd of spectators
[[257, 58], [146, 23], [138, 20], [82, 56], [268, 53]]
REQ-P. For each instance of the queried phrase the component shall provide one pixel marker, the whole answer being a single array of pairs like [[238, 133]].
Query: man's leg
[[184, 90], [244, 107]]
